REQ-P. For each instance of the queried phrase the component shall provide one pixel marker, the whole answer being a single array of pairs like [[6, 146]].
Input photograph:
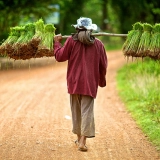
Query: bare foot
[[78, 137], [82, 143], [78, 140]]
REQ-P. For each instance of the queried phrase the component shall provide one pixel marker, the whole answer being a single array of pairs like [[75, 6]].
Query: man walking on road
[[87, 67]]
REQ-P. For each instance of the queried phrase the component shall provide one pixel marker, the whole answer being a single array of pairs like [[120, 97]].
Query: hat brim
[[92, 27]]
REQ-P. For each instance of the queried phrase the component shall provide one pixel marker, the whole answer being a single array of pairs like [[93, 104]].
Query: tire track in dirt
[[33, 106]]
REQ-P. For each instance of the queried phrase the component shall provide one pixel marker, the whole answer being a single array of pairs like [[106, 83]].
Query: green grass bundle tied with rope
[[45, 47], [132, 41], [23, 48], [6, 46], [143, 41], [155, 42], [143, 47], [39, 32]]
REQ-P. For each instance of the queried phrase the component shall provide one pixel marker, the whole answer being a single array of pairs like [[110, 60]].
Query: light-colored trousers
[[82, 115]]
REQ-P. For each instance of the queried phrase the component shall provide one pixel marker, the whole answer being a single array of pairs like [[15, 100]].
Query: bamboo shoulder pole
[[102, 34]]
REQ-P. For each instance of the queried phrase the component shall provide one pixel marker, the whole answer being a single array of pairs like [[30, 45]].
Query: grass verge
[[139, 87]]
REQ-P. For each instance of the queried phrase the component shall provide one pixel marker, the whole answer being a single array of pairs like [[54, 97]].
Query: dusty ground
[[35, 116]]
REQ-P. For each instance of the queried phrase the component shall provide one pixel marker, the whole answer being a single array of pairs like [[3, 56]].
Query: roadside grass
[[112, 43], [139, 87], [112, 46]]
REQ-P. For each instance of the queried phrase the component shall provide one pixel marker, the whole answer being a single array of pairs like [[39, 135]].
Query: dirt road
[[35, 119]]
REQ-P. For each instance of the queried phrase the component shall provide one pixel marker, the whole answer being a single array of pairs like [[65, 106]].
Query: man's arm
[[61, 52], [103, 68]]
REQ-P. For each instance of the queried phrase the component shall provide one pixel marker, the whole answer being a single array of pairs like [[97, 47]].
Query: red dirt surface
[[35, 116]]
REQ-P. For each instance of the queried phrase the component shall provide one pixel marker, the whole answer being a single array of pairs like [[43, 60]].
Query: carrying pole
[[102, 34]]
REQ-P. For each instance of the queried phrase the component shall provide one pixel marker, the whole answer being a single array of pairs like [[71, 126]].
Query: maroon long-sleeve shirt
[[87, 65]]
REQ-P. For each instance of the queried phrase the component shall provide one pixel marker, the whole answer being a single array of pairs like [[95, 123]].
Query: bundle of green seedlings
[[30, 41], [6, 47], [143, 48], [16, 54], [45, 47], [154, 46], [39, 32], [23, 47], [131, 44]]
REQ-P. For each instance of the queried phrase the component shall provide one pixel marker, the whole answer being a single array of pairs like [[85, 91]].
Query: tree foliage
[[130, 12], [70, 11], [12, 12]]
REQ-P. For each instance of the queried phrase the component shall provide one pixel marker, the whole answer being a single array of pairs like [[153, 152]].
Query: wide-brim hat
[[85, 23]]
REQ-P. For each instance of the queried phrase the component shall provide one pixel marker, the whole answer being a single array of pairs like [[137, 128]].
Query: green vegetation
[[131, 44], [112, 43], [139, 88], [33, 40], [155, 41]]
